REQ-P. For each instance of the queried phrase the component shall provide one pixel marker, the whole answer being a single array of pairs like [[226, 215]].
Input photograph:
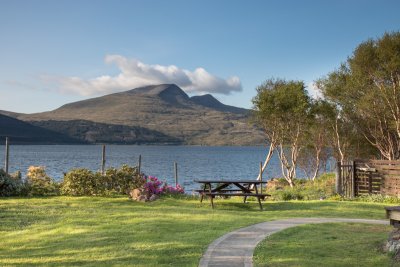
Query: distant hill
[[21, 132], [160, 109], [94, 132]]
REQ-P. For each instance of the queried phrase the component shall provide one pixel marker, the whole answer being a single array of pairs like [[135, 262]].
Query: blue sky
[[56, 52]]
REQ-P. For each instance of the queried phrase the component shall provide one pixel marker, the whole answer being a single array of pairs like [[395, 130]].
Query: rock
[[142, 198], [135, 193], [153, 197]]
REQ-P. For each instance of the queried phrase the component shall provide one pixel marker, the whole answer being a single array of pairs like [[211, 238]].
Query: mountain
[[21, 132], [94, 132], [161, 109], [210, 102]]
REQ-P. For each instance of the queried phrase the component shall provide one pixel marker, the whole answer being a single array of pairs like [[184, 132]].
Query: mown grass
[[95, 231], [329, 244]]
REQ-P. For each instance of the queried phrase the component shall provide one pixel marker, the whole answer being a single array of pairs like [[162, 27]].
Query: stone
[[153, 197], [135, 193], [142, 198]]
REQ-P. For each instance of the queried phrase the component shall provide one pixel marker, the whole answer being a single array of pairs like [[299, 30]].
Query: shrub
[[170, 190], [155, 186], [81, 182], [378, 198], [38, 183], [122, 180], [323, 187], [10, 185]]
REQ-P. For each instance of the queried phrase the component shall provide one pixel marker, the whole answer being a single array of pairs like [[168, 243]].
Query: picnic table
[[245, 188]]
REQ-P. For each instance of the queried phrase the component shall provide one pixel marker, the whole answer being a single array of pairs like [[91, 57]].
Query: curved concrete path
[[236, 248]]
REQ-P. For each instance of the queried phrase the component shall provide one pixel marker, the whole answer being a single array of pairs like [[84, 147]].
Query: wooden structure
[[359, 177], [7, 156], [393, 213], [244, 188]]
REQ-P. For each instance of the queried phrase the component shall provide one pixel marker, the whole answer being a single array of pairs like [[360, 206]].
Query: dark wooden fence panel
[[369, 177], [345, 178]]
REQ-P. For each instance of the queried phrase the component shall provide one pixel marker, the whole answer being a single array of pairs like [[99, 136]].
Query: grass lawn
[[328, 244], [71, 231]]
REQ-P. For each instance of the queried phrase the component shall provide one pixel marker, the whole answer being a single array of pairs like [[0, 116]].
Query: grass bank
[[329, 244], [96, 231]]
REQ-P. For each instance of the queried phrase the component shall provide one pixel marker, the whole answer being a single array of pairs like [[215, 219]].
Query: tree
[[366, 91], [282, 108], [315, 153]]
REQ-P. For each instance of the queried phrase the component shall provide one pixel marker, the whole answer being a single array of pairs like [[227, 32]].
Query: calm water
[[194, 162]]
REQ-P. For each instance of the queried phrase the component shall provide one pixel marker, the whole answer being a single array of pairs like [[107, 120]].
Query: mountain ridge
[[161, 109]]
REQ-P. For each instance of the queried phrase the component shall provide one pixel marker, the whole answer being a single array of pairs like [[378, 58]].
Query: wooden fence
[[359, 177]]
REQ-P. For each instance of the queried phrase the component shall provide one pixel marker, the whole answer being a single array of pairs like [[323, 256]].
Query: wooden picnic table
[[245, 188]]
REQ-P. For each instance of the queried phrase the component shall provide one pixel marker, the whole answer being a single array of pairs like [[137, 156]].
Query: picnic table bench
[[244, 188]]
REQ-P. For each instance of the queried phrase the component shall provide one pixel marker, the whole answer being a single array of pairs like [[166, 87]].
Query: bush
[[155, 186], [122, 180], [83, 182], [11, 185], [322, 188], [38, 183], [378, 198]]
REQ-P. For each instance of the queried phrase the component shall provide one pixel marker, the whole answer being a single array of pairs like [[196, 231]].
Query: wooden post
[[103, 160], [339, 185], [261, 179], [140, 163], [176, 173], [7, 157], [354, 180]]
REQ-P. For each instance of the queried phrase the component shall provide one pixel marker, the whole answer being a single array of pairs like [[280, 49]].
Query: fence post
[[103, 160], [339, 185], [140, 163], [354, 180], [176, 173], [7, 156], [261, 178]]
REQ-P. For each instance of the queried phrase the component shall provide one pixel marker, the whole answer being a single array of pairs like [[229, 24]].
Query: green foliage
[[378, 198], [281, 105], [122, 180], [366, 91], [38, 183], [83, 182], [283, 108], [10, 185], [321, 188]]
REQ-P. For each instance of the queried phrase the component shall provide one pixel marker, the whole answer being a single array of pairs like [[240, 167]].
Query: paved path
[[236, 248]]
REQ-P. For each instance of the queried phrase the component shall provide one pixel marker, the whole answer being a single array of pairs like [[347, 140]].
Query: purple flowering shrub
[[167, 189], [154, 186]]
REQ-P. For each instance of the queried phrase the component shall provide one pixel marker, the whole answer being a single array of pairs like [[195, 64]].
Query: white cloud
[[134, 73]]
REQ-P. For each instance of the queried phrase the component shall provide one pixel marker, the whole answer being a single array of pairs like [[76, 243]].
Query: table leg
[[211, 197], [245, 197], [258, 197], [202, 194]]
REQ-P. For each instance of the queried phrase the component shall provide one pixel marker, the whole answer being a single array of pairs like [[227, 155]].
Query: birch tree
[[282, 108]]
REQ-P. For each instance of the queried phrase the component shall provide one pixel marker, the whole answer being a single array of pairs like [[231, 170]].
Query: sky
[[56, 52]]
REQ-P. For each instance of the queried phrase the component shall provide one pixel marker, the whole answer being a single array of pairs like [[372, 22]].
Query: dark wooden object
[[103, 160], [7, 156], [244, 188], [393, 213]]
